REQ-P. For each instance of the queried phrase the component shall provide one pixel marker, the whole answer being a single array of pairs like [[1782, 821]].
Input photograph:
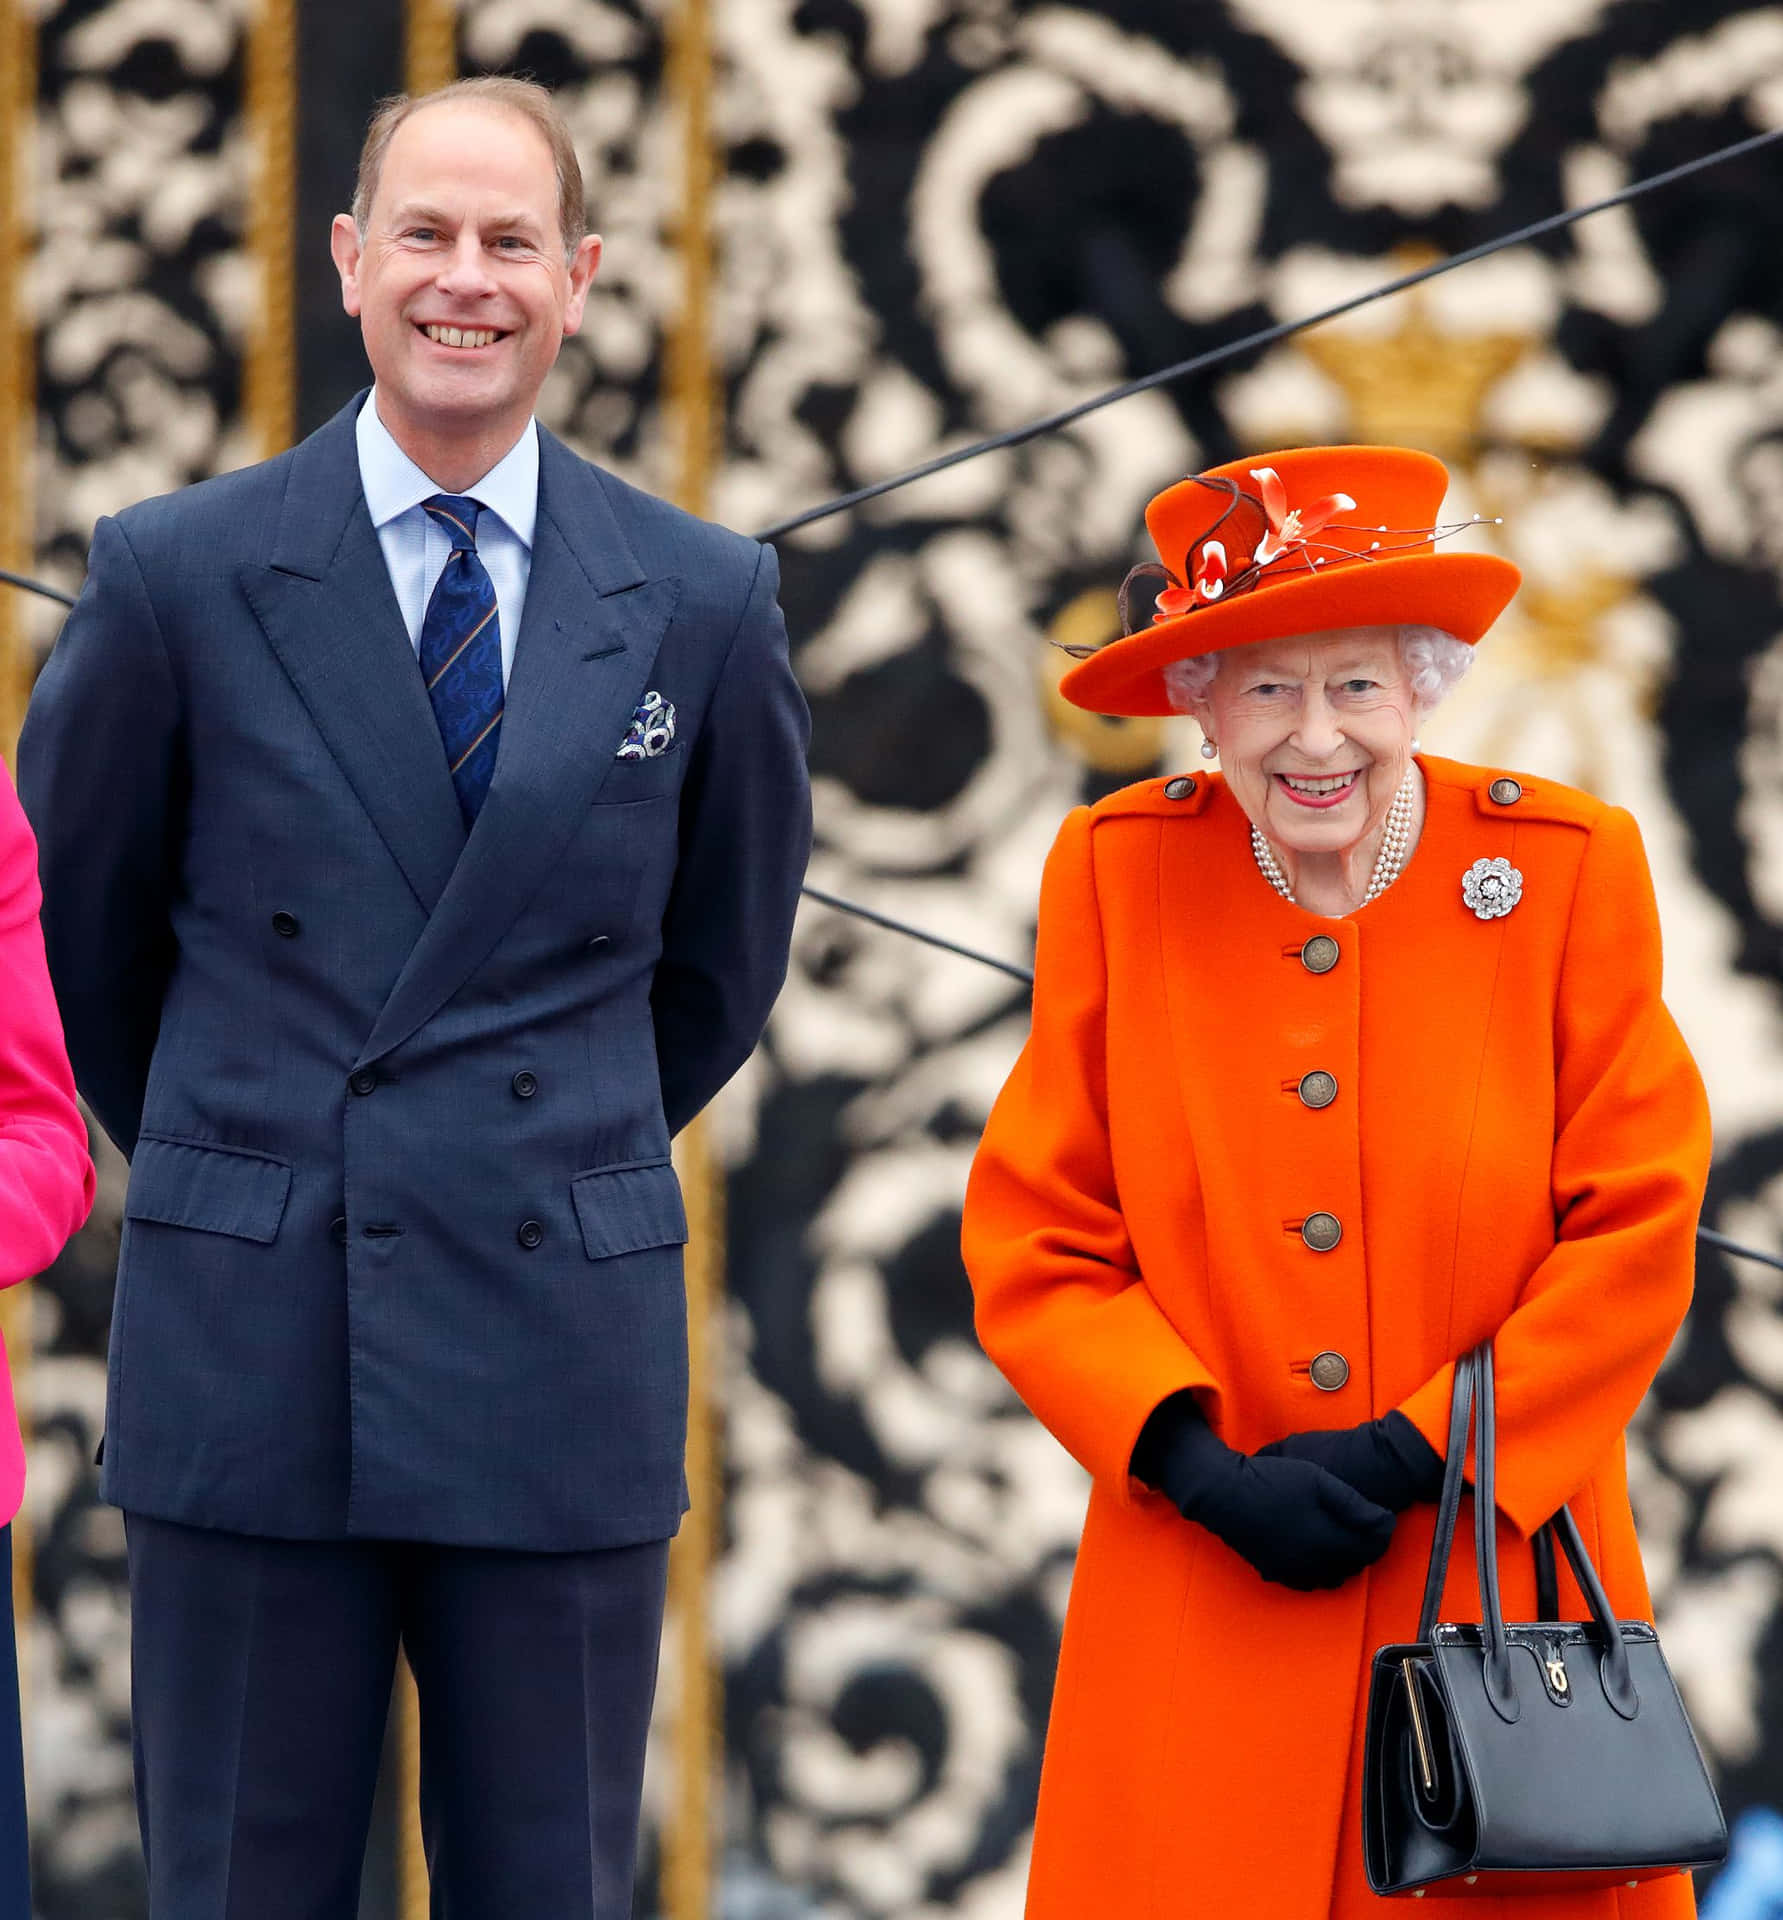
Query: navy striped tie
[[461, 654]]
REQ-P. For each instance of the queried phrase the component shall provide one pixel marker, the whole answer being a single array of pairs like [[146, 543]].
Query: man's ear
[[346, 246], [583, 267]]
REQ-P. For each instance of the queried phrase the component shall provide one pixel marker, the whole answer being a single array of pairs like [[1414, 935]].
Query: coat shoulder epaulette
[[1496, 792], [1499, 794], [1174, 795]]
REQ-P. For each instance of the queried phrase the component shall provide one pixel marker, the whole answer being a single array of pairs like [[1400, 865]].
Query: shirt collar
[[393, 484]]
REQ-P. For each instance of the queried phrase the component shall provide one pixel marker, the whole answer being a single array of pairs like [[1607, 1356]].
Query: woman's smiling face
[[1314, 733]]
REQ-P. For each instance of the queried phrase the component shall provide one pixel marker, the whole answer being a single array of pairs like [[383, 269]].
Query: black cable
[[1733, 1246], [917, 933], [1266, 336], [1706, 1234], [1198, 363], [1050, 423], [36, 586]]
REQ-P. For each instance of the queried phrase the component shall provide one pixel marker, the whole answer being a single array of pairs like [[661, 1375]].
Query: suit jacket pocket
[[211, 1189], [627, 1208], [642, 779]]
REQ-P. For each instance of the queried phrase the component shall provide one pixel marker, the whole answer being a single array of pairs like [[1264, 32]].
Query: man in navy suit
[[422, 815]]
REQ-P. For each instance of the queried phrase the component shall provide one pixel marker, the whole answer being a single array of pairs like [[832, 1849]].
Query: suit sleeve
[[1631, 1155], [101, 773], [745, 838], [1061, 1305], [46, 1174]]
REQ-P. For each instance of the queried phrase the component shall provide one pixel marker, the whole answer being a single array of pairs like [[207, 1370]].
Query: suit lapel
[[328, 612], [581, 663]]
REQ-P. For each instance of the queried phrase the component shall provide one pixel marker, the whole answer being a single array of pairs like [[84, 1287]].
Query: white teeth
[[1331, 784], [461, 336]]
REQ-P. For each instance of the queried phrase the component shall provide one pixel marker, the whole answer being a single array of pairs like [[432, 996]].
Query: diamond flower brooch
[[1492, 887]]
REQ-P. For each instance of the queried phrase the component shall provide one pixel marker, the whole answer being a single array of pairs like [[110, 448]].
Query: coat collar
[[587, 641]]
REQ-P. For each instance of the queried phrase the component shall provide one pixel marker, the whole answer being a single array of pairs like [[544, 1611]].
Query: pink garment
[[46, 1175]]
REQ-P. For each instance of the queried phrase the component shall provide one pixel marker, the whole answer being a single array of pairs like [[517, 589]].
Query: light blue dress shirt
[[416, 548]]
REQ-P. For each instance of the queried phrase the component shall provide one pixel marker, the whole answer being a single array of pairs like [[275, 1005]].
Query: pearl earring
[[1416, 744], [1209, 751]]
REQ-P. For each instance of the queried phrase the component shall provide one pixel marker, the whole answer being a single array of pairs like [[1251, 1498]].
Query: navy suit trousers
[[262, 1672]]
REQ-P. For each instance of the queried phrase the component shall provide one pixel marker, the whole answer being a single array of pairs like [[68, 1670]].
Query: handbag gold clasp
[[1426, 1760], [1557, 1673]]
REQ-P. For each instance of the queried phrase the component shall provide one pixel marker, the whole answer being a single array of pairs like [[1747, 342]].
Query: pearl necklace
[[1396, 839]]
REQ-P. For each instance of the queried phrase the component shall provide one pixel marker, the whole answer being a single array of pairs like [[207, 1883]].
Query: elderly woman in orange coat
[[1340, 1063]]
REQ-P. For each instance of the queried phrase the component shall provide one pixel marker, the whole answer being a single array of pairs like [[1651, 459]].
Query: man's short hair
[[498, 90]]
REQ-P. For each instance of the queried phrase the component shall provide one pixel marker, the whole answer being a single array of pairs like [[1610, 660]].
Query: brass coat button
[[1317, 1089], [1506, 792], [1321, 1231], [1330, 1371], [1320, 953], [1180, 788]]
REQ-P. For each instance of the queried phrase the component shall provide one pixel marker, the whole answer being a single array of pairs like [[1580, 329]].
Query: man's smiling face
[[460, 282]]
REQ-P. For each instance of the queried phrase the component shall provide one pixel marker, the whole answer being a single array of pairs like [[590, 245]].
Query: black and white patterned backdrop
[[938, 218]]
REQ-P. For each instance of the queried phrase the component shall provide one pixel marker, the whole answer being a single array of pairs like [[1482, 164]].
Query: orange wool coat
[[1517, 1148]]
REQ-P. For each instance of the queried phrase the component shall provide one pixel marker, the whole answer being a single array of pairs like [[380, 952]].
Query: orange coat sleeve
[[1631, 1153], [1061, 1306]]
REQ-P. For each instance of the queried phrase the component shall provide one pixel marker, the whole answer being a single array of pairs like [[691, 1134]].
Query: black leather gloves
[[1387, 1460], [1297, 1524]]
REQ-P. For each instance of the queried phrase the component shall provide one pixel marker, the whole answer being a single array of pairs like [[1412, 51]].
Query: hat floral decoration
[[1290, 529], [1269, 550]]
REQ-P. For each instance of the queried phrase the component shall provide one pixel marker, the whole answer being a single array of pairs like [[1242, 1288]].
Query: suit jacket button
[[1320, 954], [364, 1081], [1317, 1089], [1506, 792], [525, 1084], [1180, 788], [1321, 1231], [285, 925], [337, 1229], [531, 1235], [1329, 1372]]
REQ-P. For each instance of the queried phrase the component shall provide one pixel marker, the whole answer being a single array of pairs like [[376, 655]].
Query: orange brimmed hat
[[1302, 541]]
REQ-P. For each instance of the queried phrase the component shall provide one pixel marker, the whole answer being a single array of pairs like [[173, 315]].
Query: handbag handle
[[1474, 1392], [1501, 1683], [1448, 1506], [1618, 1676]]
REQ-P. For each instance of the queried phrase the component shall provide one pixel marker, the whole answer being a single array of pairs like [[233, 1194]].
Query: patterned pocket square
[[652, 729]]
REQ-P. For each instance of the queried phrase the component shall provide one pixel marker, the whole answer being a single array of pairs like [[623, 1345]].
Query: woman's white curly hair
[[1434, 662]]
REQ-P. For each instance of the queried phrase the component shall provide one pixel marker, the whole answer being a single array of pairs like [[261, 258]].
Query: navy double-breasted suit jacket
[[402, 1247]]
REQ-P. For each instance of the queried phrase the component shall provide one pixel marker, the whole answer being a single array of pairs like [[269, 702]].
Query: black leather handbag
[[1526, 1758]]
